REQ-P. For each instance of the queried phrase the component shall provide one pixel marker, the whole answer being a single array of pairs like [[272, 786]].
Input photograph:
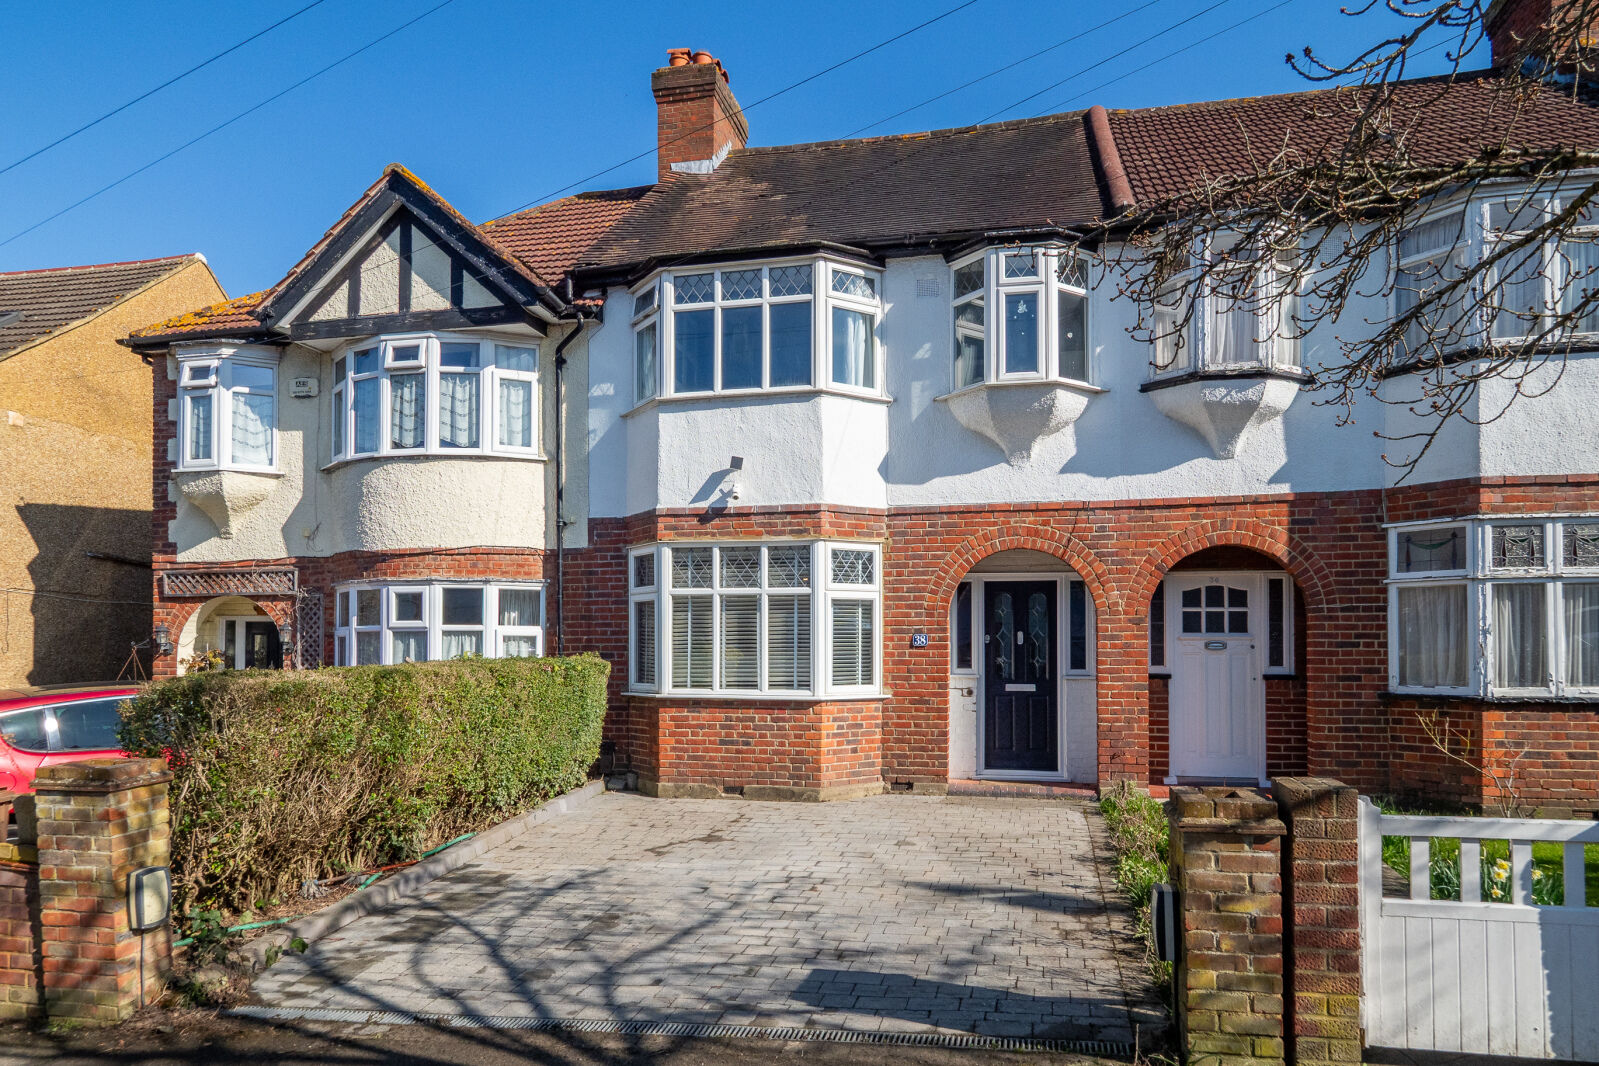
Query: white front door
[[1218, 700]]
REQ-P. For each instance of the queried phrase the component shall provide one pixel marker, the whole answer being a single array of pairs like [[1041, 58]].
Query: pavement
[[890, 914]]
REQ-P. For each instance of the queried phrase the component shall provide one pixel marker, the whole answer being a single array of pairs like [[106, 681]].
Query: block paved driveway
[[988, 916]]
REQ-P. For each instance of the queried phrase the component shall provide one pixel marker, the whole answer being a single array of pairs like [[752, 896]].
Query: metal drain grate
[[701, 1030]]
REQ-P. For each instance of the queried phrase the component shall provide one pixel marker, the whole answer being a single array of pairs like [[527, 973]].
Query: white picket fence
[[1491, 973]]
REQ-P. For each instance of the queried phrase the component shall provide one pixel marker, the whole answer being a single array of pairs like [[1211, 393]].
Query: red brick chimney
[[1537, 27], [698, 121]]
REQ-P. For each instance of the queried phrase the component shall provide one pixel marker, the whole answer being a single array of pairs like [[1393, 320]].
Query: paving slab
[[954, 914]]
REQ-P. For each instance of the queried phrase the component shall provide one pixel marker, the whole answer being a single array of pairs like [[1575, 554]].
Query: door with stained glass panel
[[1021, 694]]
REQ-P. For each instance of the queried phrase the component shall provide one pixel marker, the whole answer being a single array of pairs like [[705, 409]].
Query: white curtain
[[1520, 648], [252, 429], [457, 644], [516, 413], [519, 647], [1434, 649], [200, 425], [406, 408], [458, 410], [1580, 260], [1233, 325], [519, 607], [852, 348], [1582, 634], [409, 646]]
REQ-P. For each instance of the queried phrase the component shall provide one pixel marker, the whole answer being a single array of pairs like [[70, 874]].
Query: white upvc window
[[755, 619], [227, 416], [801, 324], [1524, 289], [419, 621], [1503, 607], [1021, 313], [1237, 322], [435, 394]]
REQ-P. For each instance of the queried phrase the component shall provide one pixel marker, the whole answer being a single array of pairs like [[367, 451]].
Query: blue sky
[[498, 102]]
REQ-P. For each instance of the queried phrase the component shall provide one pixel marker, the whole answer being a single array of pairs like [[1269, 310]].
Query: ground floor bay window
[[755, 619], [418, 621], [1500, 608]]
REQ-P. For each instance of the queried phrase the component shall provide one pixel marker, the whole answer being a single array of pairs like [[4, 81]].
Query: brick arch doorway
[[1022, 670], [1226, 698], [243, 632]]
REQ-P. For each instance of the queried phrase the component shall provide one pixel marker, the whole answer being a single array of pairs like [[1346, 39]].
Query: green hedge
[[279, 777]]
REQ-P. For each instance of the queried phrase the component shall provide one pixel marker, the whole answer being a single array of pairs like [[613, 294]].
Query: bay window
[[1233, 319], [436, 395], [1502, 607], [1523, 291], [752, 619], [748, 328], [227, 415], [1039, 328], [416, 622]]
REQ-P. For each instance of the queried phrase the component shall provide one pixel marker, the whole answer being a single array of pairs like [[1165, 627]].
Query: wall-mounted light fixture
[[149, 898], [163, 640]]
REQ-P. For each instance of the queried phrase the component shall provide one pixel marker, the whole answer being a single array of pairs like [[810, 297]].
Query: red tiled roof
[[235, 314], [56, 298], [552, 237], [1168, 151]]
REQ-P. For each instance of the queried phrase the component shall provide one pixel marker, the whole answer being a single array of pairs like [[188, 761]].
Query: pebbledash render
[[844, 457]]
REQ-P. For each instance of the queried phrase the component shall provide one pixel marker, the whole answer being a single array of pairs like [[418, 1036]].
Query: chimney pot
[[698, 121]]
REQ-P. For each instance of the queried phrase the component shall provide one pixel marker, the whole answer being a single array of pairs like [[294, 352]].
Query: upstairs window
[[227, 415], [437, 395], [744, 329], [1038, 325], [1239, 320], [1522, 292]]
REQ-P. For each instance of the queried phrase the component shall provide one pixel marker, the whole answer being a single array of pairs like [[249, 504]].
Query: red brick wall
[[21, 964], [695, 115]]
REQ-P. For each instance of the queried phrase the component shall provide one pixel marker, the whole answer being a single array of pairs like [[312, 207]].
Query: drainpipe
[[560, 484]]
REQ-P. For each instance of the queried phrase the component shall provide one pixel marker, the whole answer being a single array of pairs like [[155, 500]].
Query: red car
[[60, 723]]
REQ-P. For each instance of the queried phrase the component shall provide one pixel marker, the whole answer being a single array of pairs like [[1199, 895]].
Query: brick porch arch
[[1124, 740], [959, 562], [176, 614]]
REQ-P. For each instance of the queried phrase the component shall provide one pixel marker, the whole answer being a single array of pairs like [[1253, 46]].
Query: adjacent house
[[847, 461], [75, 463]]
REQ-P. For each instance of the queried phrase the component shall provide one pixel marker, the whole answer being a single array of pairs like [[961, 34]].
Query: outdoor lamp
[[163, 640], [149, 898]]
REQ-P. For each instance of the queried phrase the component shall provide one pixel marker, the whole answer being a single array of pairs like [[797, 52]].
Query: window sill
[[754, 394], [1500, 699], [1256, 370], [516, 457], [258, 471], [1019, 382], [762, 697]]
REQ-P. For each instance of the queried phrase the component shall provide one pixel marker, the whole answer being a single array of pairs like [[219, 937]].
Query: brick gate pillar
[[1321, 886], [99, 820], [1225, 864]]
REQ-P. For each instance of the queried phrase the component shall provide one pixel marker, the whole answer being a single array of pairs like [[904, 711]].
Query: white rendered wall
[[414, 502]]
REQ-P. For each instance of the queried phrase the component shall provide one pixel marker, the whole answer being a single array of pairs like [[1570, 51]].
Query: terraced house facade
[[849, 460]]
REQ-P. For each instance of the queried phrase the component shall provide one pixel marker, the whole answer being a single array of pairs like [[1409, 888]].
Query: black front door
[[261, 646], [1020, 708]]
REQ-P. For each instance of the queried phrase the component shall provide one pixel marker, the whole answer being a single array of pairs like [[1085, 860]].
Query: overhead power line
[[1008, 66], [747, 107], [1179, 24], [169, 82], [1062, 104], [224, 125]]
